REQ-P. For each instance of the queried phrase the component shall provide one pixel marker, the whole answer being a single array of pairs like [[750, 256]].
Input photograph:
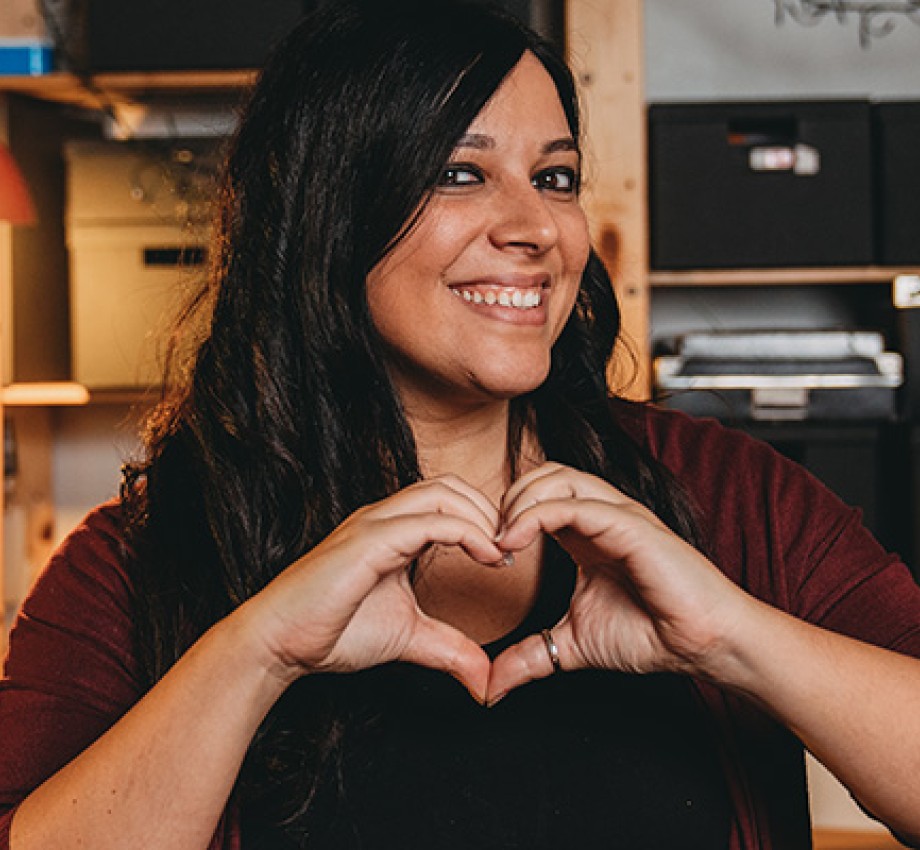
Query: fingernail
[[491, 702], [480, 698]]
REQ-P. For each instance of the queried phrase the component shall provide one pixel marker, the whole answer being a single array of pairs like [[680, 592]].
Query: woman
[[393, 446]]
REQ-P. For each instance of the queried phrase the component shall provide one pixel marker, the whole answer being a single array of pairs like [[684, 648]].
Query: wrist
[[246, 646], [726, 654]]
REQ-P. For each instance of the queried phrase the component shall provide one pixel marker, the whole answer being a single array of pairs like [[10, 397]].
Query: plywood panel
[[604, 40]]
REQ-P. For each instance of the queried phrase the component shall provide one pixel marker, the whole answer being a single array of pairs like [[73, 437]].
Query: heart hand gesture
[[348, 604], [644, 599]]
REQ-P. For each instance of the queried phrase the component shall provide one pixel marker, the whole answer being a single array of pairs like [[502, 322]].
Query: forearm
[[852, 704], [161, 776]]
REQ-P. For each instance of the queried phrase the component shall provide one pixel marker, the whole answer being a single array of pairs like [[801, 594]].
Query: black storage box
[[760, 184], [897, 157], [169, 35]]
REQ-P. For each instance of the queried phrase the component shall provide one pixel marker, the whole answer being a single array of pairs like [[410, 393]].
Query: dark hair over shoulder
[[284, 419]]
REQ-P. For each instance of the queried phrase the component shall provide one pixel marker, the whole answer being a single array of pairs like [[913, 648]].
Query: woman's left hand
[[644, 599]]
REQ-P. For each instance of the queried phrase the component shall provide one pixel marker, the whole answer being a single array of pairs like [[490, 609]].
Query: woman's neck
[[484, 603], [472, 444]]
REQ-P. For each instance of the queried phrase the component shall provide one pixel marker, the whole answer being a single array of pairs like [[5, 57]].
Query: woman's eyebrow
[[565, 144], [478, 141], [482, 142]]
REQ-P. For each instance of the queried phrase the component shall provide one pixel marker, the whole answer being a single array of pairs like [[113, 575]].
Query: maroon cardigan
[[772, 528]]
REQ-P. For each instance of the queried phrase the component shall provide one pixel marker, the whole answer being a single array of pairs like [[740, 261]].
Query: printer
[[781, 376]]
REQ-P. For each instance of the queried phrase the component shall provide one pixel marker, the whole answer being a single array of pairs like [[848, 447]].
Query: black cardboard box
[[168, 35], [896, 125], [760, 184]]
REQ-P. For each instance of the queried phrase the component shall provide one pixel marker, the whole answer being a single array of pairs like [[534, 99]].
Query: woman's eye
[[564, 180], [460, 175]]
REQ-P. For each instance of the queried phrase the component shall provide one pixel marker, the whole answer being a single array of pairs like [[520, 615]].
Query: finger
[[528, 661], [447, 494], [546, 469], [349, 564], [438, 646], [559, 483], [476, 496], [622, 523], [395, 541]]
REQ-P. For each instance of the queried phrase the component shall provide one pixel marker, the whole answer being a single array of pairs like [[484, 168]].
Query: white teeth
[[515, 298]]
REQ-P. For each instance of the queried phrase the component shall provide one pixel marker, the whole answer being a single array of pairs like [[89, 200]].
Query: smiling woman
[[394, 570]]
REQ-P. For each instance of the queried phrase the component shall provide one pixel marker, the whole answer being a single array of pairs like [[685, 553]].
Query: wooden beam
[[604, 43]]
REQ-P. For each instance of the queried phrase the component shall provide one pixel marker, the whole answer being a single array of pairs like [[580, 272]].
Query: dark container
[[173, 35], [897, 159], [168, 35], [760, 184]]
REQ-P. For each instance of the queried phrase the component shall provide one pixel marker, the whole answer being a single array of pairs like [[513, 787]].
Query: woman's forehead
[[527, 100]]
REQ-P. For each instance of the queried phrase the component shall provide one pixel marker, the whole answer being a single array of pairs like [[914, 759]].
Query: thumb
[[438, 646], [527, 661]]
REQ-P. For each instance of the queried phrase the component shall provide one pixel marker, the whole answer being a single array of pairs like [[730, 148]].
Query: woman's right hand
[[348, 604]]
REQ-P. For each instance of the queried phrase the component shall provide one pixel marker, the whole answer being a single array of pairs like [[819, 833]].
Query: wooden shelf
[[129, 396], [70, 394], [850, 839], [779, 277], [44, 394], [66, 88]]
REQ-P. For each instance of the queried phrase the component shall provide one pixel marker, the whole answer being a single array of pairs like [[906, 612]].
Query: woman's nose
[[523, 221]]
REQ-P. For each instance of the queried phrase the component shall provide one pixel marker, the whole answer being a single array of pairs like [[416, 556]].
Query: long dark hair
[[283, 420]]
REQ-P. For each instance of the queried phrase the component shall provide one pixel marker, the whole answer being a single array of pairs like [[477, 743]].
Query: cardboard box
[[25, 58], [137, 232], [22, 19], [126, 35]]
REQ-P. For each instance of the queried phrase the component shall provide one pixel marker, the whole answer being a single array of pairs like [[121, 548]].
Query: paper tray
[[852, 388]]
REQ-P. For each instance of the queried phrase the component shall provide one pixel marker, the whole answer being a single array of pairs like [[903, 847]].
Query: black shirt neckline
[[554, 593]]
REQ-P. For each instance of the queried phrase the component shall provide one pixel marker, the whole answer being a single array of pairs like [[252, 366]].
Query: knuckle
[[531, 664]]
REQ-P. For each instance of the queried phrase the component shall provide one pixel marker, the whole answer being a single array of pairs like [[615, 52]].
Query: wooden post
[[605, 50], [5, 290]]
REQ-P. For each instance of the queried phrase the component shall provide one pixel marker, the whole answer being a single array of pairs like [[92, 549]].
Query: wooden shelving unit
[[779, 277], [31, 406], [605, 44], [84, 92], [854, 839]]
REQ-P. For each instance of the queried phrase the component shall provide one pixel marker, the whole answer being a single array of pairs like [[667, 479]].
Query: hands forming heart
[[644, 599]]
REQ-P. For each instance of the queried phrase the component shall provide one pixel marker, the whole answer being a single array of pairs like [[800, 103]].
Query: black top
[[579, 760]]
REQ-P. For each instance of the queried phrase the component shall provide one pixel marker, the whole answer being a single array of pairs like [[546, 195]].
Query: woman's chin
[[508, 384]]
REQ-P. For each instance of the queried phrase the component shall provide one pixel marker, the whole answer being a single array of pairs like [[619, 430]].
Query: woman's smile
[[520, 299]]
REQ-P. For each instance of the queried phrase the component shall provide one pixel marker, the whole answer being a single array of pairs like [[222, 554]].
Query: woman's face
[[470, 303]]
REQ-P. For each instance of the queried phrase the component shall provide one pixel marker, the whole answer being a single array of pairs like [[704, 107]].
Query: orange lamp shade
[[15, 202]]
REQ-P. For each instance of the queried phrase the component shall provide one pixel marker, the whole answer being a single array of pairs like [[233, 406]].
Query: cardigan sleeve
[[70, 671], [785, 537], [777, 531]]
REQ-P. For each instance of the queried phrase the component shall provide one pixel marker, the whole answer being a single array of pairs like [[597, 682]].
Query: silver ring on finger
[[551, 650]]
